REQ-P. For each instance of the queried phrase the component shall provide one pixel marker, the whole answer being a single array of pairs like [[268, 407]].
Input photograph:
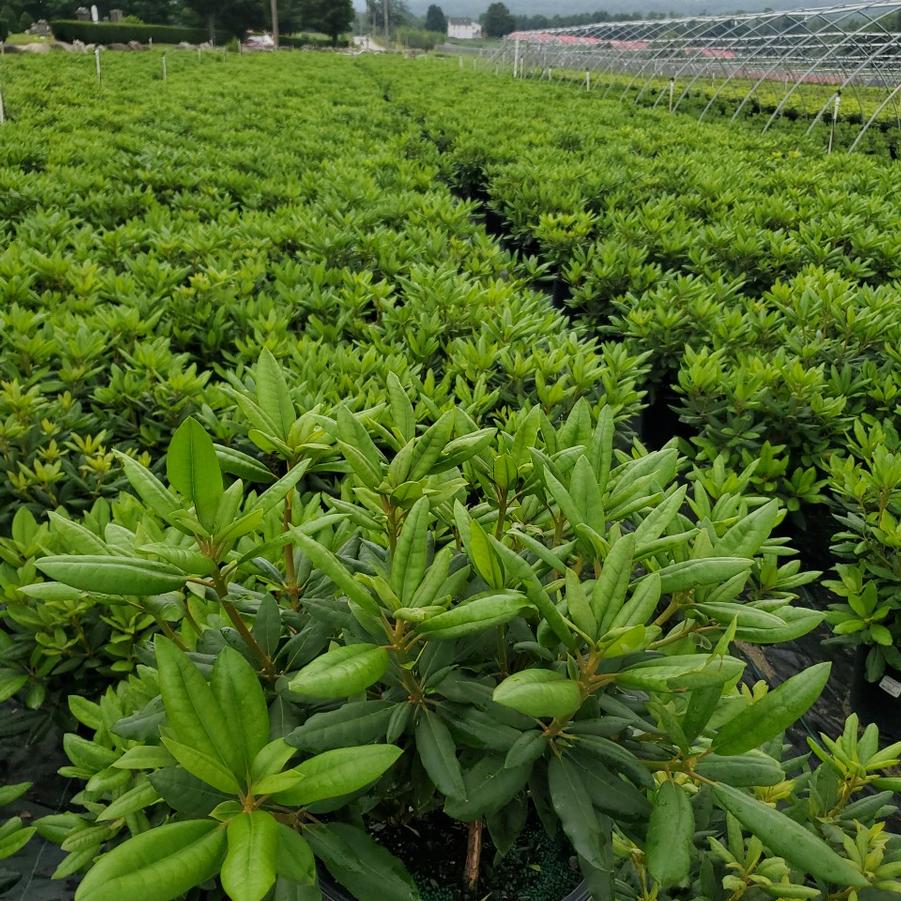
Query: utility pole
[[274, 7]]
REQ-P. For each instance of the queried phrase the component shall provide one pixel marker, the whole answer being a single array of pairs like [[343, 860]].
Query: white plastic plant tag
[[891, 686]]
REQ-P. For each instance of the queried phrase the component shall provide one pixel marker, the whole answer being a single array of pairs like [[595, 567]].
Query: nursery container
[[877, 702]]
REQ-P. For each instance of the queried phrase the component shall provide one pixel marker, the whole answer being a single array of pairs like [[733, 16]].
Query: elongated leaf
[[540, 693], [789, 839], [341, 672], [206, 767], [193, 469], [186, 793], [272, 393], [402, 417], [670, 835], [193, 715], [237, 688], [573, 806], [157, 865], [149, 488], [489, 786], [248, 871], [428, 447], [665, 673], [438, 755], [113, 575], [520, 572], [610, 590], [324, 560], [364, 868], [242, 465], [746, 537], [529, 747], [696, 573], [356, 723], [279, 490], [137, 798], [294, 858], [773, 713], [742, 770], [343, 771], [475, 616], [483, 557], [411, 553]]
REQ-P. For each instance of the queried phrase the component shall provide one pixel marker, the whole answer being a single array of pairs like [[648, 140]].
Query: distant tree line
[[331, 17]]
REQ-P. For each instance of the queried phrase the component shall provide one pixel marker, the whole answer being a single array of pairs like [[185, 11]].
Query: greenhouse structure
[[838, 55]]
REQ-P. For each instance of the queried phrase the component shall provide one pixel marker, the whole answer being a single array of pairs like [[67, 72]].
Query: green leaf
[[573, 806], [248, 871], [185, 793], [279, 490], [204, 766], [325, 561], [772, 714], [438, 755], [665, 673], [76, 538], [540, 693], [272, 394], [519, 570], [489, 787], [149, 488], [696, 573], [237, 688], [742, 770], [408, 564], [475, 616], [144, 757], [357, 723], [402, 417], [483, 557], [670, 835], [529, 747], [137, 798], [113, 575], [789, 839], [271, 758], [10, 793], [359, 864], [193, 715], [193, 469], [610, 590], [428, 447], [294, 858], [242, 465], [157, 865], [340, 772], [341, 672], [746, 537], [580, 611]]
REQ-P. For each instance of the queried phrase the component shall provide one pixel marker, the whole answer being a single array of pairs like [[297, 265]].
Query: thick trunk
[[211, 24]]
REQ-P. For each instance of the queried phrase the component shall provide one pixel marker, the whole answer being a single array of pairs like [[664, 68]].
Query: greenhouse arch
[[823, 60]]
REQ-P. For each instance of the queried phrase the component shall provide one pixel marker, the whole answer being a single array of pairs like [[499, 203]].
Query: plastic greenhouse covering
[[836, 55]]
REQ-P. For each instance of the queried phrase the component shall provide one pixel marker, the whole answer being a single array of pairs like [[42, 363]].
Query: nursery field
[[423, 484]]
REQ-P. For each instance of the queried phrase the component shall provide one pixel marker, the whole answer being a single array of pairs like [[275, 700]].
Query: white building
[[463, 29]]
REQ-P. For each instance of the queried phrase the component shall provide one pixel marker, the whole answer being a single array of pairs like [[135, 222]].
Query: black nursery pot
[[877, 702], [332, 892]]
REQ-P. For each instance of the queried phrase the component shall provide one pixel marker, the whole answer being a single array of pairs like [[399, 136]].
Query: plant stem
[[473, 855], [290, 569], [245, 633]]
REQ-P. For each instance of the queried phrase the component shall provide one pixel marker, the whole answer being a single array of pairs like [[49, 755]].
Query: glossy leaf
[[341, 672], [158, 865]]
